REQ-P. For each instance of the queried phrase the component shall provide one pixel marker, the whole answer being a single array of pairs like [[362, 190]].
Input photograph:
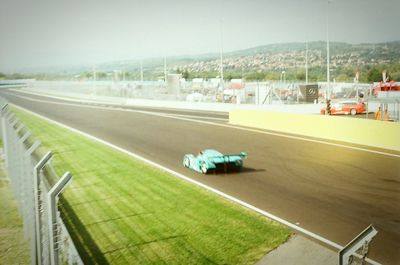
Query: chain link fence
[[271, 95], [37, 188], [258, 93]]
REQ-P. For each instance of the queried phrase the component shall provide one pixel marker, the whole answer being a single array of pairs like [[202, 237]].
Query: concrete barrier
[[381, 134]]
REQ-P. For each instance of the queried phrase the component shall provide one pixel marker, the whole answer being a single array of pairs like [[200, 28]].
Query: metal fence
[[37, 188], [270, 95], [258, 93]]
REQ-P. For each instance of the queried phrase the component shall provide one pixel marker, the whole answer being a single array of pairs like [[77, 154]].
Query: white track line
[[183, 117], [181, 176], [194, 116]]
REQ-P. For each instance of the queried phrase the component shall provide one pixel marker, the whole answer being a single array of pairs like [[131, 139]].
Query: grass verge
[[122, 211], [13, 248]]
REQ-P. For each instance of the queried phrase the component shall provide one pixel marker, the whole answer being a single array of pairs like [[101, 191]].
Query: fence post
[[32, 215], [36, 179], [6, 116], [24, 179], [4, 112], [51, 197]]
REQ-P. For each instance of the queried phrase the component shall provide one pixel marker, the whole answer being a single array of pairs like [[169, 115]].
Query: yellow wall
[[374, 133]]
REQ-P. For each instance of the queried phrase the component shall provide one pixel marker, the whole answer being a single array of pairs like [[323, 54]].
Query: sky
[[57, 33]]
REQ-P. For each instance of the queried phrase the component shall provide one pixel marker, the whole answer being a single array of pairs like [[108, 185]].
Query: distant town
[[258, 63]]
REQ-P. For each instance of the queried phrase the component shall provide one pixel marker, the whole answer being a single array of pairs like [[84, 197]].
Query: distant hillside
[[260, 63], [268, 61], [379, 51]]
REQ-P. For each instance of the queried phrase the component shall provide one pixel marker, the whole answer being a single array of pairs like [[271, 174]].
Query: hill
[[258, 63]]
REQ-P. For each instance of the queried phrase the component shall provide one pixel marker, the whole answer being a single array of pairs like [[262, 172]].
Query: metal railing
[[258, 93], [36, 187]]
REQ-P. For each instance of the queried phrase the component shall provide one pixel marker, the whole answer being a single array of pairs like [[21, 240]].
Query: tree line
[[367, 74]]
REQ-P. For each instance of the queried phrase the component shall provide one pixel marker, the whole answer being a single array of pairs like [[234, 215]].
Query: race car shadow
[[250, 169], [235, 171]]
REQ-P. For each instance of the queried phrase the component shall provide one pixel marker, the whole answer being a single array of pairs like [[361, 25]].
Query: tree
[[343, 78], [395, 76], [101, 75], [272, 76], [255, 76], [301, 76], [374, 75], [185, 74]]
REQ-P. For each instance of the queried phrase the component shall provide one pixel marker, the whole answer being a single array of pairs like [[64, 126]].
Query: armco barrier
[[380, 134], [36, 188]]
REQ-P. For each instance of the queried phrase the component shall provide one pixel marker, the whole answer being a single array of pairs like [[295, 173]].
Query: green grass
[[14, 249], [122, 211]]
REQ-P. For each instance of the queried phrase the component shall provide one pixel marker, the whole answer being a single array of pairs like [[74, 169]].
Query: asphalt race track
[[333, 191]]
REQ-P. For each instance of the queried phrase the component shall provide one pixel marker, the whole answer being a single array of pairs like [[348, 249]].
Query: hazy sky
[[43, 33]]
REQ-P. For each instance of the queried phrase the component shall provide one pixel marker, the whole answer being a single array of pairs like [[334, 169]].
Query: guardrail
[[17, 83], [37, 188]]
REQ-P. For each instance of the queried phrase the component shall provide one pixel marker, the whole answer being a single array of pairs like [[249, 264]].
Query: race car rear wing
[[243, 155]]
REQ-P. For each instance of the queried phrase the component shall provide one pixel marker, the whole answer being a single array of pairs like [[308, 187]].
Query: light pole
[[306, 62], [220, 56], [328, 82], [141, 71], [283, 77], [94, 80], [94, 73], [165, 69]]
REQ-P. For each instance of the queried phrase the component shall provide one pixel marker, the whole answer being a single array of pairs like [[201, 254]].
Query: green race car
[[211, 160]]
